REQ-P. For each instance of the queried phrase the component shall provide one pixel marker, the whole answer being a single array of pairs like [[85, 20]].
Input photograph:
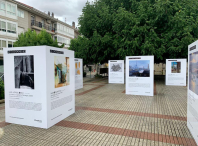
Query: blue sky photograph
[[140, 63], [173, 63]]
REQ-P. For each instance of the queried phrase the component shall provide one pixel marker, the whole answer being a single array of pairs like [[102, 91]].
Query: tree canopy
[[31, 38], [113, 29]]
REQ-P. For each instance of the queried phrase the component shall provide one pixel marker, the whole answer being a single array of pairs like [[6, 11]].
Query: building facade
[[16, 18]]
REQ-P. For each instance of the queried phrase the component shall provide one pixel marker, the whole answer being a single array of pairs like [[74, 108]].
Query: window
[[32, 20], [2, 26], [43, 23], [11, 9], [11, 28], [10, 44], [2, 44], [59, 39], [55, 26], [21, 13], [2, 7]]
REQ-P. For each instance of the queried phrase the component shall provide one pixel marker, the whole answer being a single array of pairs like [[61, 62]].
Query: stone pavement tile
[[24, 141], [46, 143], [85, 88], [139, 126], [20, 129], [114, 96], [87, 91], [3, 124], [106, 116], [10, 139]]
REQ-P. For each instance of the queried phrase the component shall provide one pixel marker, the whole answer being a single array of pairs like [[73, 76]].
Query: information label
[[192, 107], [78, 73], [139, 75], [176, 72], [116, 71], [39, 85]]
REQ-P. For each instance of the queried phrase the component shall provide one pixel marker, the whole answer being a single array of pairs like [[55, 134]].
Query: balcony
[[39, 26]]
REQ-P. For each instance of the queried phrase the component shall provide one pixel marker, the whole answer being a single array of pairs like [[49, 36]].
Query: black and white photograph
[[24, 72], [116, 67]]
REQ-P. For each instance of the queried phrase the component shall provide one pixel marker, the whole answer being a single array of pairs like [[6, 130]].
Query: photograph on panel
[[77, 68], [115, 67], [61, 71], [139, 68], [175, 67], [24, 72], [193, 72]]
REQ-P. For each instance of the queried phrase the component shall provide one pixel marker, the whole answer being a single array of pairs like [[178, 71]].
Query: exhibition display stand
[[78, 73], [140, 75], [39, 85], [116, 71], [176, 72], [192, 106]]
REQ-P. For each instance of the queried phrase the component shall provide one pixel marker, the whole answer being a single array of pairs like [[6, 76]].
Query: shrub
[[98, 76], [1, 89]]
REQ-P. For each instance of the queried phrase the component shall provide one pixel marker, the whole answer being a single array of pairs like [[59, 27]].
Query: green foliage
[[113, 29], [1, 89], [31, 38], [84, 74], [98, 76]]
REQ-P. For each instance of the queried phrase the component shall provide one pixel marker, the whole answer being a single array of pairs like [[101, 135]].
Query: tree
[[31, 38], [113, 29]]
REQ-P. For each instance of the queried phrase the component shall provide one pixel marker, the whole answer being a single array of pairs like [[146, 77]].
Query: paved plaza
[[105, 116]]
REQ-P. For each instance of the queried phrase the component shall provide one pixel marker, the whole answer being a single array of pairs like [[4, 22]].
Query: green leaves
[[31, 38], [1, 89], [118, 28]]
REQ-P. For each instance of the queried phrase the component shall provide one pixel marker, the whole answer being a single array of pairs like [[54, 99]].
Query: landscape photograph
[[139, 68]]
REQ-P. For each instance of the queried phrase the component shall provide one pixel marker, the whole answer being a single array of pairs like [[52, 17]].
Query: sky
[[69, 9], [140, 63], [174, 63]]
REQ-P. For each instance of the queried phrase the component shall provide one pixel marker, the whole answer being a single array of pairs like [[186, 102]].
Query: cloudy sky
[[69, 9]]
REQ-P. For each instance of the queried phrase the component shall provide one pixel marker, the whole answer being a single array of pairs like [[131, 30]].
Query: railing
[[41, 25]]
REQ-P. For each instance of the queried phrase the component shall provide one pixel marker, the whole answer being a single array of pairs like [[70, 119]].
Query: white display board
[[176, 72], [39, 85], [78, 73], [116, 71], [140, 75], [192, 107]]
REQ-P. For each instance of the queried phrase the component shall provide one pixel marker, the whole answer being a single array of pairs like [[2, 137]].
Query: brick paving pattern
[[107, 117]]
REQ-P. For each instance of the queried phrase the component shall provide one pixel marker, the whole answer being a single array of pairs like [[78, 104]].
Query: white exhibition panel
[[116, 71], [192, 106], [140, 75], [39, 85], [176, 72], [78, 73]]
